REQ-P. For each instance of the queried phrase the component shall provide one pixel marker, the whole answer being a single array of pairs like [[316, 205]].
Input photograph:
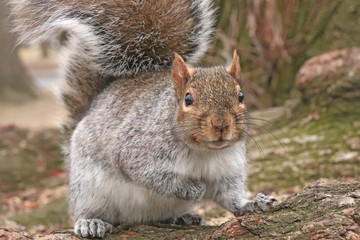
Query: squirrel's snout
[[220, 127], [219, 131], [220, 124]]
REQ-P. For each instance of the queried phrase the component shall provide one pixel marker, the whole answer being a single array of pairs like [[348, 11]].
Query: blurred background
[[301, 78]]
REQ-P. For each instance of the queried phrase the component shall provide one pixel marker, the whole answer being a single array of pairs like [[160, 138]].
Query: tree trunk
[[15, 83]]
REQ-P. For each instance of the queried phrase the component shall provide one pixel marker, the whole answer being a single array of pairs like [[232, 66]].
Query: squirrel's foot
[[191, 219], [260, 202], [186, 219], [92, 228]]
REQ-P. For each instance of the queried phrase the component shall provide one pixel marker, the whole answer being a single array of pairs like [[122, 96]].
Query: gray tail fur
[[110, 39]]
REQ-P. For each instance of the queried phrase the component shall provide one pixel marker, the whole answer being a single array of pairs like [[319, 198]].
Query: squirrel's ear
[[180, 74], [235, 69]]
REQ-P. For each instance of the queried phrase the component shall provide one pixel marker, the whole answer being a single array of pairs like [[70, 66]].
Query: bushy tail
[[110, 39]]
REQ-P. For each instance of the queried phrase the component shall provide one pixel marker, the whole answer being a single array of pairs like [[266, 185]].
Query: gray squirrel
[[149, 136]]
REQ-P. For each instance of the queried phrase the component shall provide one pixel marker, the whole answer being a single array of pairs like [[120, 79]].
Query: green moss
[[54, 213], [307, 149], [28, 158]]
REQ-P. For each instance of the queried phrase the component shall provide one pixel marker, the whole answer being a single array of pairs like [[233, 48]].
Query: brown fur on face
[[216, 119]]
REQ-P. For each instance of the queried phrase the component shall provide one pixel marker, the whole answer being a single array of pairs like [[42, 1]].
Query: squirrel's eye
[[188, 99], [241, 97]]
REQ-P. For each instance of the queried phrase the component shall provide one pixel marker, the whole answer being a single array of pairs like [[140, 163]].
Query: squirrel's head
[[210, 104]]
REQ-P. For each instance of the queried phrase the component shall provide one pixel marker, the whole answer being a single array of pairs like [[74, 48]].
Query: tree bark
[[15, 83], [319, 211]]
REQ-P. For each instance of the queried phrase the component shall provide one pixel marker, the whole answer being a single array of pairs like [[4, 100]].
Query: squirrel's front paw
[[263, 202], [260, 202], [191, 190], [92, 228]]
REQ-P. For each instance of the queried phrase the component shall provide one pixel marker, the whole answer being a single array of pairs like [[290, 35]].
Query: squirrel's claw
[[92, 228], [263, 202]]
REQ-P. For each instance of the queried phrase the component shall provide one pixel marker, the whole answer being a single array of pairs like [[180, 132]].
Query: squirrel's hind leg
[[92, 228]]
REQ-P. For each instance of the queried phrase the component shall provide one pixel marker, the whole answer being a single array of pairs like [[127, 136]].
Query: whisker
[[260, 119], [269, 132], [257, 146]]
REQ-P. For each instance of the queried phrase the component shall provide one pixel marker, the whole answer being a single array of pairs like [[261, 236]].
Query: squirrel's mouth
[[217, 144]]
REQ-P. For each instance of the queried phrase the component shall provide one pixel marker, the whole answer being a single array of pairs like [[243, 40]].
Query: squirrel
[[150, 135]]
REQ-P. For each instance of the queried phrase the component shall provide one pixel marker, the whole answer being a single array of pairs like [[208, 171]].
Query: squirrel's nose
[[220, 127]]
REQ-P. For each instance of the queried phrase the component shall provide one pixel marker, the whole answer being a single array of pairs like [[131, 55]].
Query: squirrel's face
[[211, 110]]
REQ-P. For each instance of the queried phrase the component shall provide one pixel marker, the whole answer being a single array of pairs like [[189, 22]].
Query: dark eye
[[241, 97], [188, 99]]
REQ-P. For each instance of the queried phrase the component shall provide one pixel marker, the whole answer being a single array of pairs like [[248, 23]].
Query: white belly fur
[[121, 201], [129, 203]]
